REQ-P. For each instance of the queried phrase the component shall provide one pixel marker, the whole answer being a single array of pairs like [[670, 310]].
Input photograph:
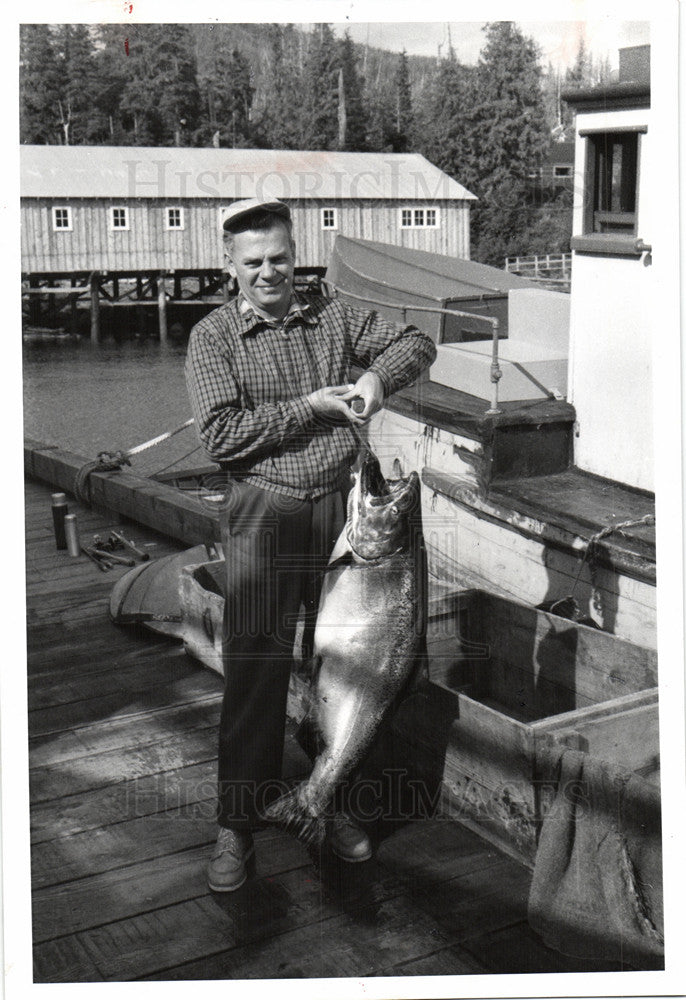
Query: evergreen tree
[[280, 120], [226, 95], [111, 58], [450, 136], [41, 75], [403, 106], [82, 119], [320, 91], [354, 137], [177, 84], [578, 74], [513, 133], [379, 136], [160, 96], [512, 138]]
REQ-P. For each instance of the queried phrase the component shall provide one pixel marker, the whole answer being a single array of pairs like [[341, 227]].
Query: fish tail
[[290, 812]]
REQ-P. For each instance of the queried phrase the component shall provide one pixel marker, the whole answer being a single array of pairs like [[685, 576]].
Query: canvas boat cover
[[368, 273]]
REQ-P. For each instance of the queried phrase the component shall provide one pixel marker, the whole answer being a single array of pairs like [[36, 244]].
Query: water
[[87, 398]]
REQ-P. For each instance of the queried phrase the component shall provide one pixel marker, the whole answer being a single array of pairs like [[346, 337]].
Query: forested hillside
[[276, 86]]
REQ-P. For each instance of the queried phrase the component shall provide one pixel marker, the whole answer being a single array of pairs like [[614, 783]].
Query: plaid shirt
[[249, 378]]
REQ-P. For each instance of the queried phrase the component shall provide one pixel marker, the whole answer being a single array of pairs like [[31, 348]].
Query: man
[[268, 376]]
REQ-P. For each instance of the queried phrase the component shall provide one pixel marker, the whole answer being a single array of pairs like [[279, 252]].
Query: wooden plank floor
[[122, 729]]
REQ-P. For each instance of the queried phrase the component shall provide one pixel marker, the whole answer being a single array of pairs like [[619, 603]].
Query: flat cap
[[247, 206]]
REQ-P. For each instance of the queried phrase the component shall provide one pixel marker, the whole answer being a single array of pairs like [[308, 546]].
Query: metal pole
[[496, 371]]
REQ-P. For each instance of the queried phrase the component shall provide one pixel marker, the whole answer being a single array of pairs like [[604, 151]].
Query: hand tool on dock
[[111, 557], [130, 546], [102, 564]]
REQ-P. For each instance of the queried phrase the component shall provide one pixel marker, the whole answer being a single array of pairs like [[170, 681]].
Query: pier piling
[[94, 282], [162, 307]]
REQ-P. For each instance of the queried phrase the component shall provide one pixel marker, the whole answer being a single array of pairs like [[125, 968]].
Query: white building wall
[[613, 324]]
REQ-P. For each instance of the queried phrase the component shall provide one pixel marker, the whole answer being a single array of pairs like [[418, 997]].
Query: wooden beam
[[154, 504]]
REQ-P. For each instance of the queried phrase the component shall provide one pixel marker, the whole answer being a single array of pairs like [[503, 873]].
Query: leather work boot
[[228, 868], [347, 841]]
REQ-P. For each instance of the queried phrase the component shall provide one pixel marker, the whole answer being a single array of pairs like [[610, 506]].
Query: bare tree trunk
[[65, 122], [342, 117]]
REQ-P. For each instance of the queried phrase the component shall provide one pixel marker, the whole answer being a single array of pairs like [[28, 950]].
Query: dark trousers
[[276, 549]]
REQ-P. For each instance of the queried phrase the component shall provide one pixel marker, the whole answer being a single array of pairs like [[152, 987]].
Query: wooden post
[[201, 286], [95, 307], [177, 286], [162, 307], [52, 306], [34, 303], [139, 312], [73, 309]]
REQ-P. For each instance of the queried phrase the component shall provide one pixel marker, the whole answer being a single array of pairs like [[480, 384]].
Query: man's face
[[263, 262]]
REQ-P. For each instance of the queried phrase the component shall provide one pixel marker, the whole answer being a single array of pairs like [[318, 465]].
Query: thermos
[[60, 509], [71, 533]]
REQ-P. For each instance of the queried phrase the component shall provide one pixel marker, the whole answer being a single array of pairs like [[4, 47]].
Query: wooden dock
[[122, 728]]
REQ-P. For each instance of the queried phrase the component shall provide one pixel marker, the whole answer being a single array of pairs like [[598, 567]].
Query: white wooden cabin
[[613, 293]]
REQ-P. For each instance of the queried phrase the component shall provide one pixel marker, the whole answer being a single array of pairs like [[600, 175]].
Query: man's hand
[[368, 388], [333, 401]]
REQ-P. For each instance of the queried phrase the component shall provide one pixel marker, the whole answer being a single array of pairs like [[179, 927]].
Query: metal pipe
[[496, 371]]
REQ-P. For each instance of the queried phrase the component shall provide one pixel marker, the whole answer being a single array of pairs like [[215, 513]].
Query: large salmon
[[368, 638]]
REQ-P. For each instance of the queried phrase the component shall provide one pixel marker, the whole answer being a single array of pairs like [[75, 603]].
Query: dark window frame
[[611, 191]]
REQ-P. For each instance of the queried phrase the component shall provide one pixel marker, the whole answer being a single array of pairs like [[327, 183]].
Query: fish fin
[[289, 812], [341, 550]]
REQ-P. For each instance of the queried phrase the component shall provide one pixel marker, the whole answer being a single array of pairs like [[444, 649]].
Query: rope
[[158, 439], [177, 460], [108, 461], [567, 606]]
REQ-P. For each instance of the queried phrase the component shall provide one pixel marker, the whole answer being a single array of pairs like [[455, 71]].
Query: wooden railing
[[548, 267]]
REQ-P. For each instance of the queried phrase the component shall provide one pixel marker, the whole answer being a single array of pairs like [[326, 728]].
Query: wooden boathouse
[[119, 226]]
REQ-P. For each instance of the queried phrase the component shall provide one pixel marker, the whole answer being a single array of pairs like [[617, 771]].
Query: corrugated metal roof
[[123, 172]]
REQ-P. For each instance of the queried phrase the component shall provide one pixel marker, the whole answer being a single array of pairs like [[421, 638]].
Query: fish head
[[380, 511]]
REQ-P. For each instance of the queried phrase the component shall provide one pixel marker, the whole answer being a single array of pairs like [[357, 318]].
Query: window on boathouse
[[61, 218], [119, 217], [329, 218], [174, 218], [418, 218]]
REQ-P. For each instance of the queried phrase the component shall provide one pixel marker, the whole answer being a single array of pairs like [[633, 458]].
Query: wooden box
[[508, 684]]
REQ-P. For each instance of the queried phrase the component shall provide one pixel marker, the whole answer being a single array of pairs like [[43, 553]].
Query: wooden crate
[[509, 684]]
